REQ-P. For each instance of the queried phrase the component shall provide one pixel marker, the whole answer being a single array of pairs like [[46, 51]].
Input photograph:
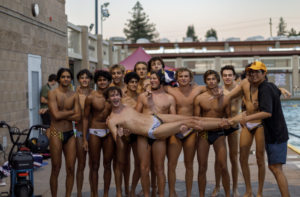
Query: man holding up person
[[275, 129]]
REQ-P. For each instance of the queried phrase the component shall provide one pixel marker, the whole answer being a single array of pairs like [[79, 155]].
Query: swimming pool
[[291, 111]]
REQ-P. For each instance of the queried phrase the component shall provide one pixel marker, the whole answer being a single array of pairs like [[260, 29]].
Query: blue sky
[[231, 18]]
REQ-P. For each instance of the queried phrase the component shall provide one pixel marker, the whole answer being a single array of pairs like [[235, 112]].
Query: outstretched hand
[[216, 93], [285, 93], [126, 132]]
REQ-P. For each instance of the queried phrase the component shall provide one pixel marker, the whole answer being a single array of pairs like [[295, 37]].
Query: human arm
[[238, 90], [227, 110], [285, 93], [85, 120], [52, 103], [112, 126], [172, 109], [43, 111], [197, 108], [257, 116], [44, 100], [77, 110], [139, 103]]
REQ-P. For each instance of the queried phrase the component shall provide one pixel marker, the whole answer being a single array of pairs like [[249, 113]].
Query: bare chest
[[65, 102], [157, 103]]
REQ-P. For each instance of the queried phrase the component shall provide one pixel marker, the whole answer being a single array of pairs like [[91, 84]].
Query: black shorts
[[46, 119]]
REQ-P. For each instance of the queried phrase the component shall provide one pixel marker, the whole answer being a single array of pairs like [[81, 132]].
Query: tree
[[191, 33], [211, 33], [293, 32], [139, 26], [281, 27]]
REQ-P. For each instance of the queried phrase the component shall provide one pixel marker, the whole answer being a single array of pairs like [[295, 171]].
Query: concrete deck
[[291, 169]]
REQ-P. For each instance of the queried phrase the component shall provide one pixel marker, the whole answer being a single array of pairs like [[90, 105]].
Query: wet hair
[[237, 76], [139, 62], [84, 71], [52, 77], [111, 89], [102, 73], [211, 72], [180, 70], [118, 66], [131, 75], [153, 59], [228, 67], [61, 71]]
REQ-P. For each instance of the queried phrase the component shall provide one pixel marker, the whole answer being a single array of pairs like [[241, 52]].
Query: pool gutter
[[294, 148]]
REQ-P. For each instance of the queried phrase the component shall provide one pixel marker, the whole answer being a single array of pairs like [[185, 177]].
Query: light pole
[[104, 15]]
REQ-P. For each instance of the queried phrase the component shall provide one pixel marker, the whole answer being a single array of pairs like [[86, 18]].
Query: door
[[34, 88]]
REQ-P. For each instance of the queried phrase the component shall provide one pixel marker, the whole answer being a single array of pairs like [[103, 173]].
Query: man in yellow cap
[[275, 129]]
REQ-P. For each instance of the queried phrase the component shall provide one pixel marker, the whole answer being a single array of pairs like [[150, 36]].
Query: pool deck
[[291, 170]]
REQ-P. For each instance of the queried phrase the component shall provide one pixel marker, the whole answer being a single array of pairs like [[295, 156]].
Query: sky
[[230, 18]]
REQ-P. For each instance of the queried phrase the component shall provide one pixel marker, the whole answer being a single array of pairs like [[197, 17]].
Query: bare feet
[[248, 194], [259, 195], [154, 192], [141, 193], [235, 193], [215, 192]]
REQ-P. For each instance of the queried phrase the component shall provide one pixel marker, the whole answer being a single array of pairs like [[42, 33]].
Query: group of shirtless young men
[[155, 120]]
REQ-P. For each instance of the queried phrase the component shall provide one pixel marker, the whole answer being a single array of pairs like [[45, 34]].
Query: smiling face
[[133, 84], [114, 98], [141, 70], [156, 65], [84, 81], [211, 81], [102, 82], [257, 76], [65, 79], [228, 77], [154, 81], [117, 75], [184, 78]]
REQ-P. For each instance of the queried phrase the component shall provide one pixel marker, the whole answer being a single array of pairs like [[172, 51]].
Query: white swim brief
[[99, 132]]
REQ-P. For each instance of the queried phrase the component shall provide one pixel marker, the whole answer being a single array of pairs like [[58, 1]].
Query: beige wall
[[19, 38]]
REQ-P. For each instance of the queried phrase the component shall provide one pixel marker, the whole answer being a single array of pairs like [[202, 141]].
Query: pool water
[[291, 111]]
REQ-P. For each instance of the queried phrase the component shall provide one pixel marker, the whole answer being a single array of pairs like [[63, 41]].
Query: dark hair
[[102, 73], [131, 75], [113, 88], [84, 71], [155, 59], [211, 72], [237, 76], [243, 75], [61, 71], [52, 77], [139, 62], [228, 67]]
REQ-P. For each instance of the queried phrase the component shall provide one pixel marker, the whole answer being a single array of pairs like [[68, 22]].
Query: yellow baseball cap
[[257, 66]]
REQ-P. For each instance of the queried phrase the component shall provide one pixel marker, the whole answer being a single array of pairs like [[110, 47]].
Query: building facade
[[33, 45]]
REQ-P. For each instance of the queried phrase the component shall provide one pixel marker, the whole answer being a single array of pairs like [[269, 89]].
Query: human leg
[[81, 161], [233, 144], [153, 179], [189, 150], [202, 156], [260, 159], [221, 152], [144, 154], [121, 163], [127, 170], [173, 152], [276, 169], [159, 154], [108, 153], [56, 153], [246, 140], [95, 144], [136, 173], [69, 150], [217, 178]]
